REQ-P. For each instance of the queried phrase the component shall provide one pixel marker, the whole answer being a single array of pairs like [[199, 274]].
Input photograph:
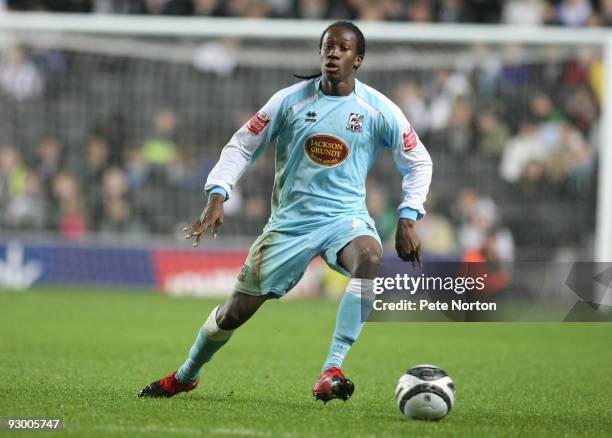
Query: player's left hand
[[407, 243]]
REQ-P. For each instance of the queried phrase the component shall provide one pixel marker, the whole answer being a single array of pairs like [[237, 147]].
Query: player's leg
[[215, 333], [275, 263], [361, 259], [217, 330]]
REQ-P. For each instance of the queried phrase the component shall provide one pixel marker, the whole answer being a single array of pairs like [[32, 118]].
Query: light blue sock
[[348, 324], [210, 338]]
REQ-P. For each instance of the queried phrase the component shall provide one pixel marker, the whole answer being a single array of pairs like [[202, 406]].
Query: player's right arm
[[239, 153]]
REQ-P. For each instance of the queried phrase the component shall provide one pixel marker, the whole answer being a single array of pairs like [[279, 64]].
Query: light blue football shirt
[[325, 146]]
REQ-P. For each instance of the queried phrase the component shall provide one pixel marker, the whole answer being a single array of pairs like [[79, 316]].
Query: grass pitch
[[83, 356]]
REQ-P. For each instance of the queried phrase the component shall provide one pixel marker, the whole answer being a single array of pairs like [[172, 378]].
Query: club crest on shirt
[[326, 150], [355, 122], [258, 123]]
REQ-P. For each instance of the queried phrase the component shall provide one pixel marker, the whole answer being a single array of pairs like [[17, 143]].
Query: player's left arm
[[415, 165]]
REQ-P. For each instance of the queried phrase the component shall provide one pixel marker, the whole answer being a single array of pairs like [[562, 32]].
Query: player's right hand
[[212, 216]]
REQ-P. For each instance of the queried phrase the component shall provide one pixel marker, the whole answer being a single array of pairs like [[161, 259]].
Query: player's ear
[[358, 61]]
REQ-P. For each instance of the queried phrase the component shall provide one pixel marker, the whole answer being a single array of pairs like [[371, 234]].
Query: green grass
[[83, 357]]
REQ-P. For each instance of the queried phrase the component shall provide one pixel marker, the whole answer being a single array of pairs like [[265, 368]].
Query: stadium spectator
[[436, 230], [379, 10], [495, 270], [445, 89], [483, 11], [459, 136], [516, 71], [524, 12], [513, 12], [280, 8], [574, 12], [409, 98], [484, 65], [605, 13], [311, 9], [420, 11], [47, 163], [491, 132], [117, 211], [210, 8], [49, 159], [12, 177], [219, 57], [533, 183], [246, 8], [478, 218], [383, 213], [27, 210], [136, 168], [159, 151], [450, 11], [112, 128], [118, 7], [91, 173], [581, 108], [168, 7], [548, 120], [573, 153], [70, 217], [520, 150], [19, 77]]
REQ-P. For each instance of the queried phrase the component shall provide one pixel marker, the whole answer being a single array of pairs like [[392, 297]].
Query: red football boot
[[332, 384], [167, 387]]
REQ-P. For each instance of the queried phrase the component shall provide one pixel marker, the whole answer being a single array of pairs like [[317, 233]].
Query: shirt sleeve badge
[[409, 139], [258, 123]]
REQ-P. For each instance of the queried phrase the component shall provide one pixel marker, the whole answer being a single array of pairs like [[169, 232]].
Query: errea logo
[[311, 116]]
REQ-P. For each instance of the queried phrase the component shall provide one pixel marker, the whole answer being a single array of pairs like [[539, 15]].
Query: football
[[425, 392]]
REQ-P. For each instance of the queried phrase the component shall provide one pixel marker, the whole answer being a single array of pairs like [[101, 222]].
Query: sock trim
[[213, 331], [358, 285]]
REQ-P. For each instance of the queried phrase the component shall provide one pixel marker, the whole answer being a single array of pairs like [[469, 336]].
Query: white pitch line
[[189, 430]]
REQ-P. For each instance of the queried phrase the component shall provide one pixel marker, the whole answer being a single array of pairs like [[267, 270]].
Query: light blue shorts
[[277, 260]]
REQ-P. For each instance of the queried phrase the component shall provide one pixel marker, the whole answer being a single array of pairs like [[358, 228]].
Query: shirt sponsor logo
[[258, 123], [410, 139], [355, 122], [326, 150]]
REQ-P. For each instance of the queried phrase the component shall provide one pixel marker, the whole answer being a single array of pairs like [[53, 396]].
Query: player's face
[[339, 57]]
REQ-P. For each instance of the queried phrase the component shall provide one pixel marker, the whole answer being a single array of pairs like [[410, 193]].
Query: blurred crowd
[[523, 12], [508, 131]]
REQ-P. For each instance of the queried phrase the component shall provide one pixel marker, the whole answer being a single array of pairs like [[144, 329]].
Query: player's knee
[[367, 263], [237, 310], [228, 318], [368, 256]]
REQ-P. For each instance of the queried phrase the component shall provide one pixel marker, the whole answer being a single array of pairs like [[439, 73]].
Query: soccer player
[[328, 129]]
